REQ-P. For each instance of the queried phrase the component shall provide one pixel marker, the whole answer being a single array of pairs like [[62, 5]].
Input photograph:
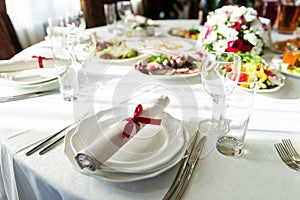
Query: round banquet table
[[258, 174]]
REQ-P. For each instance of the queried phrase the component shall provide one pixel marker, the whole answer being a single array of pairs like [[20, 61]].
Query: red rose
[[235, 45], [236, 26], [246, 48]]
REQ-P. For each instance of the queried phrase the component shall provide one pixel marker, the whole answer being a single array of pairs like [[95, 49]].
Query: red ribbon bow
[[40, 60], [136, 120]]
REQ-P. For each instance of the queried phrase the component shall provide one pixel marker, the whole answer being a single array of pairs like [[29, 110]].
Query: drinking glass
[[124, 10], [237, 113], [60, 26], [75, 22], [110, 14], [268, 9], [65, 69], [288, 18], [82, 47], [214, 68]]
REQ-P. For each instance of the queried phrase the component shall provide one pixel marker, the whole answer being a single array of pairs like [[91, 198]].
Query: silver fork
[[291, 150], [285, 157]]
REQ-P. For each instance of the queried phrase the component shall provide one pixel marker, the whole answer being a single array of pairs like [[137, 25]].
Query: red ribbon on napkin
[[40, 60], [136, 120]]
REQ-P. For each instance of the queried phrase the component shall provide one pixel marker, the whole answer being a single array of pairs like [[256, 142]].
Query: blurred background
[[22, 23]]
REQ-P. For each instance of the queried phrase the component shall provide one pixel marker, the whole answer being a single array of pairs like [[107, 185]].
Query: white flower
[[230, 33], [251, 37], [237, 13], [220, 46], [217, 19], [250, 15], [212, 37]]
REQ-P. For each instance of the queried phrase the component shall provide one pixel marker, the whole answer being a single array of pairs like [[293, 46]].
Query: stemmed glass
[[82, 47], [124, 10], [214, 68], [75, 22]]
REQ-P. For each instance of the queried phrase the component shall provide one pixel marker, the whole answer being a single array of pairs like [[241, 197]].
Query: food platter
[[116, 51], [160, 44], [169, 66], [282, 45], [184, 33], [283, 67], [269, 79]]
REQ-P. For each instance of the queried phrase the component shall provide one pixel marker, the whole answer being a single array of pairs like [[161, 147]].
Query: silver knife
[[51, 145], [192, 161], [46, 140], [28, 95], [182, 168]]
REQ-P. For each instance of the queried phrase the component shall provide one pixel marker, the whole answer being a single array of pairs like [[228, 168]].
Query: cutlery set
[[46, 144], [186, 168], [28, 95], [288, 154]]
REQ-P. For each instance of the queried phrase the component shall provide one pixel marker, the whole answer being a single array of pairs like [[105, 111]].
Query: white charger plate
[[147, 151], [120, 177], [120, 61], [33, 76], [114, 175]]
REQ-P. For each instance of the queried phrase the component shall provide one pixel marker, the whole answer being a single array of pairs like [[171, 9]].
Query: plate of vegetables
[[160, 44], [269, 80], [170, 65], [116, 51], [141, 30], [191, 33], [289, 64]]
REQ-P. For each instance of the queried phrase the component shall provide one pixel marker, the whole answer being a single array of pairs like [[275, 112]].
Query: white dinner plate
[[171, 76], [120, 177], [147, 151], [175, 76], [33, 76], [280, 66], [121, 61], [160, 44]]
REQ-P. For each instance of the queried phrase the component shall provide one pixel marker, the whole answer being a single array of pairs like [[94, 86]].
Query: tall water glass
[[237, 113], [110, 13], [66, 70]]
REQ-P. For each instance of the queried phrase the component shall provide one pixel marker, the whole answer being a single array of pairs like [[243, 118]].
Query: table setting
[[179, 114]]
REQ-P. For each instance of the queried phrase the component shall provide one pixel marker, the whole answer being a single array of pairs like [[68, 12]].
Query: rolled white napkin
[[104, 147], [24, 64]]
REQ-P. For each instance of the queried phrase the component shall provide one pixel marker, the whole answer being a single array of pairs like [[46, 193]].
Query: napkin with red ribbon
[[34, 62], [104, 147]]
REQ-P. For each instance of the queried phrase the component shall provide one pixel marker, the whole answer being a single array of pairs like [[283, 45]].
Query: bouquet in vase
[[232, 29]]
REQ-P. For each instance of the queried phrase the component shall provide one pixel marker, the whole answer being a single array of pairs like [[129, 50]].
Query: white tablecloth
[[257, 174]]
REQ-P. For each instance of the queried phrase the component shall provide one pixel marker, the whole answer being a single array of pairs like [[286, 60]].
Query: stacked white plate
[[144, 156], [33, 77]]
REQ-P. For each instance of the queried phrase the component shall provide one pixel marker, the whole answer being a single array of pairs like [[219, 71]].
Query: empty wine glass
[[82, 47], [60, 26], [124, 10], [75, 22], [214, 68]]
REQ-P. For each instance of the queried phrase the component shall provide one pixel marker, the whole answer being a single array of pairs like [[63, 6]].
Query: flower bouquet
[[232, 29]]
